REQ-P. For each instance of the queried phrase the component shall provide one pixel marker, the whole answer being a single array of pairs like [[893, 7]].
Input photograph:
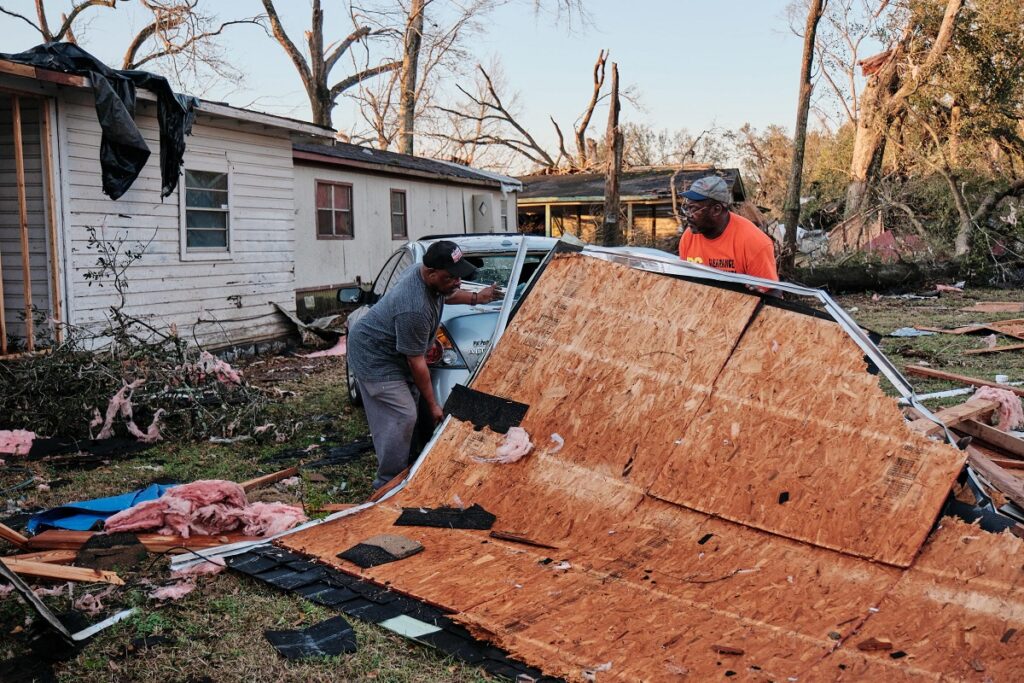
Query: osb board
[[614, 360], [798, 439]]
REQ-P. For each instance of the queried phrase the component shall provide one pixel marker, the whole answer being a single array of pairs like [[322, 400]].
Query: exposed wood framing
[[1010, 486], [12, 536], [50, 180], [51, 556], [268, 479], [26, 269], [155, 543], [963, 379], [993, 436], [45, 570]]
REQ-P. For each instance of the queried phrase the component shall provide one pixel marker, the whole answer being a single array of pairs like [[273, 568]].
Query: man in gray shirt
[[388, 345]]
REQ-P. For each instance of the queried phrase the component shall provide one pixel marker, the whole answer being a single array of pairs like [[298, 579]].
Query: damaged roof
[[346, 154], [717, 488], [637, 184]]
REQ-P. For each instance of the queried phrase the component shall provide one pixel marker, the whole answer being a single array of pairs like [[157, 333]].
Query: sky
[[694, 64]]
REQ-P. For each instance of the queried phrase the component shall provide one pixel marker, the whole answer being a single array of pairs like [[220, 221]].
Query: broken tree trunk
[[612, 233]]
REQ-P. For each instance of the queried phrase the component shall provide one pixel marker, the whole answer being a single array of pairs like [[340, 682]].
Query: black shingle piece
[[371, 612], [332, 597], [302, 565], [329, 638], [250, 564], [467, 650], [274, 575], [298, 579], [473, 517], [365, 556]]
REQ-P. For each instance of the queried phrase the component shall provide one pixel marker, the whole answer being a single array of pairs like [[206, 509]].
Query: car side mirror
[[350, 295]]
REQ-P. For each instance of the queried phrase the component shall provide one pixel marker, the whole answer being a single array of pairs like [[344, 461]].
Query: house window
[[504, 215], [207, 212], [399, 222], [333, 211]]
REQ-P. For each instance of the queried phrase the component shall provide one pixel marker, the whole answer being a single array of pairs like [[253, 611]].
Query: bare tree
[[65, 32], [315, 72], [792, 206], [612, 233], [410, 71]]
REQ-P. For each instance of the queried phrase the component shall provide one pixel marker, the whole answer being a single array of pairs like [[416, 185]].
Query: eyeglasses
[[693, 208]]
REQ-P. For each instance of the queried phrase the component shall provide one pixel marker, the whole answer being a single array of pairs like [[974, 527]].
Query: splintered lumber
[[962, 379], [12, 536], [268, 479], [995, 307], [1009, 485], [954, 416], [45, 570], [335, 507], [57, 539], [993, 436], [994, 349], [50, 556]]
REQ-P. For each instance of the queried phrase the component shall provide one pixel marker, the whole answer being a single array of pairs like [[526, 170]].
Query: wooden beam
[[12, 536], [50, 180], [268, 479], [26, 266], [954, 416], [58, 539], [1009, 485], [51, 556], [962, 379], [991, 435], [44, 570], [995, 349]]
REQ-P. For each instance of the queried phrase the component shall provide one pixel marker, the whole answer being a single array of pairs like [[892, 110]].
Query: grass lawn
[[216, 632]]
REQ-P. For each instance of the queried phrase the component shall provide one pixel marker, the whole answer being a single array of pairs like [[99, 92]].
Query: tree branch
[[341, 48], [289, 47], [353, 80], [42, 30], [78, 9]]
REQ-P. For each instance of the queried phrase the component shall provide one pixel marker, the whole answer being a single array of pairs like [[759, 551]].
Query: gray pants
[[391, 412]]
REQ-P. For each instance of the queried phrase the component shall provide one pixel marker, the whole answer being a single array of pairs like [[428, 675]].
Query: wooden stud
[[994, 349], [51, 556], [268, 479], [991, 435], [26, 267], [953, 416], [963, 379], [1010, 486], [12, 536], [50, 179], [995, 307], [59, 539], [398, 479], [44, 570]]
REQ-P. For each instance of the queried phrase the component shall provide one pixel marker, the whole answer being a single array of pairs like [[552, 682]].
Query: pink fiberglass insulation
[[175, 591], [1011, 415], [211, 566], [16, 441], [208, 365], [206, 508], [339, 349], [268, 519]]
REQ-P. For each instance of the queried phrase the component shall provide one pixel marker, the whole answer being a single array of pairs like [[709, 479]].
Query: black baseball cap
[[446, 255]]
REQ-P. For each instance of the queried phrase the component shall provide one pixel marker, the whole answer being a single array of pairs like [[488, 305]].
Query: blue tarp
[[84, 515]]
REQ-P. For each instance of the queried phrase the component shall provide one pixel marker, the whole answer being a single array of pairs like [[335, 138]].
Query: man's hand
[[488, 294], [436, 412]]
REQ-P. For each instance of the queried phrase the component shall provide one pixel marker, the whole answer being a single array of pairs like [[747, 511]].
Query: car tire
[[354, 397]]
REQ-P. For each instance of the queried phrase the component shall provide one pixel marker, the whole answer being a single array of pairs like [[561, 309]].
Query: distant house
[[219, 251], [356, 205], [558, 204]]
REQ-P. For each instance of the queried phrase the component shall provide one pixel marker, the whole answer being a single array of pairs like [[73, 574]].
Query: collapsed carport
[[735, 496]]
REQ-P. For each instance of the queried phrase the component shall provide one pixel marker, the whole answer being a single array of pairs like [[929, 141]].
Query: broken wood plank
[[51, 556], [12, 536], [519, 538], [398, 479], [268, 479], [921, 371], [966, 329], [991, 435], [954, 415], [1007, 484], [995, 349], [335, 507], [995, 307], [44, 570], [58, 539]]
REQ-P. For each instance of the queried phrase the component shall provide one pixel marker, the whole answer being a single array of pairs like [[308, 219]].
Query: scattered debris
[[963, 379], [515, 445], [339, 349], [911, 332], [110, 551], [208, 365], [473, 517], [91, 603], [329, 638], [995, 307], [874, 645], [591, 673], [173, 591], [558, 441], [209, 566], [44, 570], [16, 441]]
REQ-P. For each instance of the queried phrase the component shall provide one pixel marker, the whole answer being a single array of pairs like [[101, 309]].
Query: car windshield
[[497, 268]]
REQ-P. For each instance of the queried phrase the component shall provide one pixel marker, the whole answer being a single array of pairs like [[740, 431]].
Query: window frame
[[317, 182], [503, 211], [187, 253], [405, 214]]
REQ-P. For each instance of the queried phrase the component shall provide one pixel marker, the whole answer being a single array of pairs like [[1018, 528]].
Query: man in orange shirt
[[719, 238]]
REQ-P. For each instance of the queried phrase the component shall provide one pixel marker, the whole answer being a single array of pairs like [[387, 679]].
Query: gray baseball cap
[[709, 187]]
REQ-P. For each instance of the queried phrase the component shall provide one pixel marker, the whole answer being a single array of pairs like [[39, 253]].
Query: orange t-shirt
[[741, 248]]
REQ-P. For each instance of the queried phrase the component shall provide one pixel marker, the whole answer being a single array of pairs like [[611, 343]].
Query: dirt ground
[[216, 632]]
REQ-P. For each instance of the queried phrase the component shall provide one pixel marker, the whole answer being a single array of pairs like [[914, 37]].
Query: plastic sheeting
[[123, 150], [83, 515]]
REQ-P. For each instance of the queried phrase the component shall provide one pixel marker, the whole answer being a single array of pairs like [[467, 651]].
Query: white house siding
[[432, 208], [164, 288], [10, 222]]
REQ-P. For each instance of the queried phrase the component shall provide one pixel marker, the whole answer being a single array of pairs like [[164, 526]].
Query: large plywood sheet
[[701, 579], [798, 439]]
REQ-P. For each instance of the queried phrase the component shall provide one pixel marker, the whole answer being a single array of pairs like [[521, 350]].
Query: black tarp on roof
[[649, 182], [400, 162]]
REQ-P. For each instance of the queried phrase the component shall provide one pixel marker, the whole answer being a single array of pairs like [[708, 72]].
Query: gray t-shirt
[[401, 324]]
